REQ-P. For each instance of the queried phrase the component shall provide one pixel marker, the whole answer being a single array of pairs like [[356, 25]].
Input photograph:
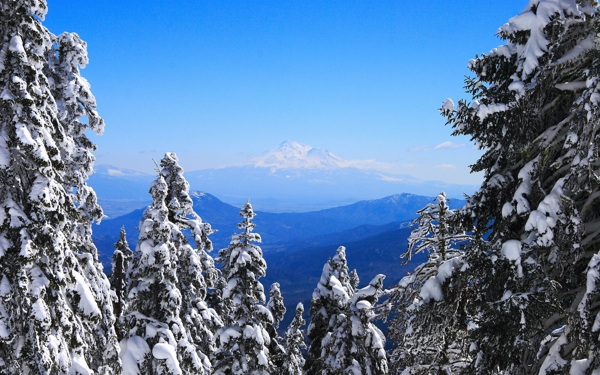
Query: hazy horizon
[[219, 83]]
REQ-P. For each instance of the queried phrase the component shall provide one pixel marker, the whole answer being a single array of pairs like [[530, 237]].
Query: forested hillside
[[506, 284]]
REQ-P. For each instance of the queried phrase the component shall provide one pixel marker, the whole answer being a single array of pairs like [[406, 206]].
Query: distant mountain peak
[[295, 155]]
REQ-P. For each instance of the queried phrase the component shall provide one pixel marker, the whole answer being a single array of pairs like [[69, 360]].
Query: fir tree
[[243, 343], [277, 309], [196, 271], [166, 328], [276, 305], [118, 277], [354, 345], [425, 327], [293, 362], [532, 268], [344, 339], [329, 304], [56, 312]]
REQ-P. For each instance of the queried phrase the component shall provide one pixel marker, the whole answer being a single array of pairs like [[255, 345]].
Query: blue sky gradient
[[221, 81]]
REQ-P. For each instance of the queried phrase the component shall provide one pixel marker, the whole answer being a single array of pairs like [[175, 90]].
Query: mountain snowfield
[[295, 155], [291, 177]]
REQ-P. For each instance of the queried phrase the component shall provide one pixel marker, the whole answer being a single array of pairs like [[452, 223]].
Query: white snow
[[41, 191], [534, 22], [446, 269], [262, 358], [582, 47], [39, 281], [132, 353], [448, 105], [4, 330], [579, 367], [483, 111], [228, 333], [296, 156], [507, 209], [545, 217], [87, 303], [432, 289], [79, 366], [40, 310], [554, 360], [511, 250], [363, 305], [338, 290], [166, 352], [593, 276], [517, 86], [16, 45], [4, 287], [4, 150], [5, 244], [524, 188], [24, 135]]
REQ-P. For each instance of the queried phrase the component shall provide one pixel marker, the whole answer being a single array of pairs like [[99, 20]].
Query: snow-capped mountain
[[294, 155], [291, 177], [298, 177]]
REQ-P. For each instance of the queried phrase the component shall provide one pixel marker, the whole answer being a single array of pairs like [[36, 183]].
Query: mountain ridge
[[293, 177], [277, 228]]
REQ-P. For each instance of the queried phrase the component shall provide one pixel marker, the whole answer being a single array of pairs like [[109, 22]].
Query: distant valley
[[296, 245], [308, 202]]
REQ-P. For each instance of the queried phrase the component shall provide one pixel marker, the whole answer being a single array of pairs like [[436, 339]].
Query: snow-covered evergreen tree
[[167, 329], [277, 309], [535, 113], [118, 276], [425, 327], [354, 345], [329, 304], [369, 341], [195, 268], [243, 343], [293, 362], [56, 314], [276, 305]]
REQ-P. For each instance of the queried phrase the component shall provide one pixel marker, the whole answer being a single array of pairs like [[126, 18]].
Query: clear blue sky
[[219, 81]]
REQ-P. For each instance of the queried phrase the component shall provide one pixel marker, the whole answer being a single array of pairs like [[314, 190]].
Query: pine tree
[[277, 309], [354, 345], [118, 277], [425, 326], [368, 347], [293, 362], [167, 326], [329, 304], [276, 305], [532, 267], [55, 304], [196, 271], [243, 343]]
